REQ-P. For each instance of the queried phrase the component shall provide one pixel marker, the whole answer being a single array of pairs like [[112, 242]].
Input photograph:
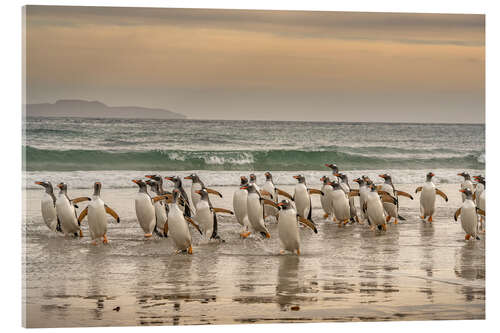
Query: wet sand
[[414, 271]]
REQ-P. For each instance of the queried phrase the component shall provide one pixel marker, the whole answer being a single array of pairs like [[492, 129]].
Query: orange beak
[[381, 176], [296, 177], [60, 185], [197, 192], [188, 177], [149, 176], [337, 175], [432, 174], [38, 183], [135, 181], [169, 178], [463, 191]]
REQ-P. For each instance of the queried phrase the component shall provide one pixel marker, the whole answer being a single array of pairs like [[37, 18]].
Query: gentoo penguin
[[96, 211], [340, 203], [344, 183], [481, 199], [159, 180], [466, 183], [374, 209], [335, 170], [206, 216], [144, 208], [197, 186], [66, 212], [468, 215], [363, 193], [273, 195], [240, 207], [302, 197], [255, 210], [177, 226], [428, 197], [183, 197], [288, 227], [48, 206], [325, 203], [161, 208], [391, 209]]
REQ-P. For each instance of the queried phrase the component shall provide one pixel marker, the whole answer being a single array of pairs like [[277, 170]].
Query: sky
[[261, 65]]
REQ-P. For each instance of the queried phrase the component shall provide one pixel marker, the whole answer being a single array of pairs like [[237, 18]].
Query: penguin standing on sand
[[344, 183], [183, 197], [66, 212], [363, 192], [96, 212], [374, 209], [144, 208], [240, 207], [177, 225], [468, 215], [302, 197], [340, 204], [288, 230], [466, 183], [273, 195], [481, 199], [48, 206], [161, 208], [392, 209], [428, 197], [325, 202], [206, 216], [255, 210]]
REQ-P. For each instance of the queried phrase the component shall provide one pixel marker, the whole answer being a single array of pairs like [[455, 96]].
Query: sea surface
[[414, 271]]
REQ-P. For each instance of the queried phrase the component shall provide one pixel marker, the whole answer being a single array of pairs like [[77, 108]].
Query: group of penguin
[[169, 213]]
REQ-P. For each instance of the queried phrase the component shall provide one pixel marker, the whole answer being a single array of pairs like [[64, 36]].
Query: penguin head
[[335, 185], [203, 193], [175, 195], [243, 181], [480, 179], [268, 176], [429, 176], [154, 177], [97, 188], [154, 185], [341, 176], [332, 166], [366, 179], [464, 174], [141, 184], [467, 192], [47, 185], [372, 186], [368, 182], [63, 187], [250, 188], [360, 181], [300, 179], [194, 177], [325, 180], [284, 204], [253, 178], [387, 177], [176, 180]]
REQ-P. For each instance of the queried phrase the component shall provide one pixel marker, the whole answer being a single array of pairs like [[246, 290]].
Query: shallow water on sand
[[414, 271]]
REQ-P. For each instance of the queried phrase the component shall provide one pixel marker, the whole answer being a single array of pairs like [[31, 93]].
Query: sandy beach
[[414, 271]]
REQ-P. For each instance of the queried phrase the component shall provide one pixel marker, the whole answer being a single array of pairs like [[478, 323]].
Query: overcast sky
[[279, 65]]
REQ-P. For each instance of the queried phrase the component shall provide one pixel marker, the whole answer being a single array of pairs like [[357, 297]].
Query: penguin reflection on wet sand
[[468, 215], [428, 197], [48, 207], [96, 212]]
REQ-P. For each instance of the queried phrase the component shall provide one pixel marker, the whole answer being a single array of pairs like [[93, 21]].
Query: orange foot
[[282, 251], [467, 237], [422, 217], [387, 218], [94, 242], [395, 221], [430, 219], [268, 235], [105, 239], [148, 235], [384, 226], [245, 234], [190, 250], [298, 252], [325, 216], [81, 233]]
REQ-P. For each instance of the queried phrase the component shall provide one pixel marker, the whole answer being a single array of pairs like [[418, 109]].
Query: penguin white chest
[[145, 212], [161, 214], [97, 218], [428, 199], [288, 230], [49, 213], [240, 205], [374, 209], [340, 205], [204, 217], [67, 215], [468, 217], [302, 200], [254, 210], [195, 197], [178, 229]]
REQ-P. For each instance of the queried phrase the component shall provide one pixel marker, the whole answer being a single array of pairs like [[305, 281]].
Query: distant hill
[[96, 109]]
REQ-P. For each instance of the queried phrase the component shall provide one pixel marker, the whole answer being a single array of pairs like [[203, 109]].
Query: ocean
[[84, 149]]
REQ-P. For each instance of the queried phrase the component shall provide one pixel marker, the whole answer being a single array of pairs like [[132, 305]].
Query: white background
[[11, 184]]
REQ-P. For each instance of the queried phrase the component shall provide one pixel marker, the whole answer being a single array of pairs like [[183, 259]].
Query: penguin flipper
[[58, 226], [403, 194], [307, 223], [439, 192], [111, 212], [309, 216], [418, 189], [190, 220], [80, 199], [82, 215], [209, 190], [214, 230], [401, 218], [457, 213]]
